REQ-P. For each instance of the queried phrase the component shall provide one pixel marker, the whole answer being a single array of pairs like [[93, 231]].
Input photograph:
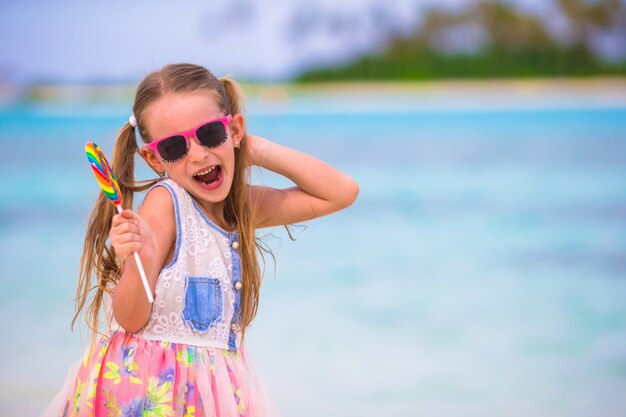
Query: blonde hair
[[98, 258]]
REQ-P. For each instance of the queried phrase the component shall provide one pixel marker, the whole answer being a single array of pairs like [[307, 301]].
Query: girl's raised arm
[[320, 188]]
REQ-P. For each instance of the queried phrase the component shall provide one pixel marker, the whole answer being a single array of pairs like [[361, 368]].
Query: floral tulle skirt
[[127, 376]]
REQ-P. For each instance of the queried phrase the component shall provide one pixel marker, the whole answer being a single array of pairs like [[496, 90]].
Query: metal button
[[235, 244], [238, 285]]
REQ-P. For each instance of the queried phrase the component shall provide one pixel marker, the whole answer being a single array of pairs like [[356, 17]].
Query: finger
[[129, 227], [125, 215], [117, 219], [128, 214], [125, 226], [122, 218], [120, 239], [127, 249], [125, 238]]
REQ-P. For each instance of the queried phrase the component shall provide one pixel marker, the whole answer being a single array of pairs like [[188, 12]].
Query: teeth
[[204, 172]]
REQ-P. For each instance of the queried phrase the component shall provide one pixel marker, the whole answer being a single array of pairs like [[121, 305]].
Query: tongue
[[210, 177]]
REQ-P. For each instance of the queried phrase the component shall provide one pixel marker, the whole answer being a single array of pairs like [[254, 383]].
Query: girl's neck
[[214, 212]]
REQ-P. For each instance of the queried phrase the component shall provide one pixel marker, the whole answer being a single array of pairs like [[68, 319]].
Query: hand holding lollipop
[[104, 175]]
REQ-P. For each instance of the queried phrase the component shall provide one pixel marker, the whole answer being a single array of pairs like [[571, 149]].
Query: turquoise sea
[[481, 272]]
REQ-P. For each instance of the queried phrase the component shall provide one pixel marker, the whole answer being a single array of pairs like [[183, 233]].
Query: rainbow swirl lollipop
[[104, 175], [103, 172]]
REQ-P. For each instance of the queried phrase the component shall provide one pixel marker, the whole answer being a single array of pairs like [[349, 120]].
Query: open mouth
[[211, 178]]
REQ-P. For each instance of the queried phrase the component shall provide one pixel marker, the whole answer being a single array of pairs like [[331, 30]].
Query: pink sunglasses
[[211, 134]]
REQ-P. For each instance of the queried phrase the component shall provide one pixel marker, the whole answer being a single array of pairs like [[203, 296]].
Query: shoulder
[[166, 191], [158, 207], [159, 196]]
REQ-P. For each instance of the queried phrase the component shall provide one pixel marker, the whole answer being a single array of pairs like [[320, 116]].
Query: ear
[[154, 161], [237, 129]]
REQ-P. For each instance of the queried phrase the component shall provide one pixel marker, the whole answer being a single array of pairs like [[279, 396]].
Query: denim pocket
[[203, 302]]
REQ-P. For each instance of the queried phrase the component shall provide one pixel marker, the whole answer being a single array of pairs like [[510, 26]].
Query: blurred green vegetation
[[511, 43]]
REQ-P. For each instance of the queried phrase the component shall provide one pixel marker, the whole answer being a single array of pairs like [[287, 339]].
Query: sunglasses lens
[[211, 134], [172, 148]]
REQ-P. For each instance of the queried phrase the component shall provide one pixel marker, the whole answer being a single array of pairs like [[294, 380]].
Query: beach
[[480, 271], [607, 91]]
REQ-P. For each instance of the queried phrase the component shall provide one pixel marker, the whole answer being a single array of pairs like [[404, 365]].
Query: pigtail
[[238, 211], [233, 95], [98, 258]]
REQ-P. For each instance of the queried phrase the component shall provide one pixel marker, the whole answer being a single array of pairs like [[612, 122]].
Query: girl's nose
[[196, 151]]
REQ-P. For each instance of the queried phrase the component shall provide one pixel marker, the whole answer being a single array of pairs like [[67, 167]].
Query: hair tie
[[132, 120]]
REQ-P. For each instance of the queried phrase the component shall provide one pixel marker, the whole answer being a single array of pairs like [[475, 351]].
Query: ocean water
[[482, 270]]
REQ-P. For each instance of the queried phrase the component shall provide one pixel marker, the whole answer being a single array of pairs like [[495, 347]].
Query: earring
[[237, 145], [161, 174]]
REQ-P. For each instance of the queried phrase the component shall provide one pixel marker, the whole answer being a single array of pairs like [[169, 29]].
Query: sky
[[69, 40]]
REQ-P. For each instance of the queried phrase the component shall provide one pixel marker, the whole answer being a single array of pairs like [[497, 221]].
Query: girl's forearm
[[311, 175], [131, 306]]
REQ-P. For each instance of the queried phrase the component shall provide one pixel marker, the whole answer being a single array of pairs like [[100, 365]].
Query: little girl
[[195, 234]]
